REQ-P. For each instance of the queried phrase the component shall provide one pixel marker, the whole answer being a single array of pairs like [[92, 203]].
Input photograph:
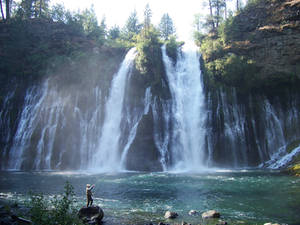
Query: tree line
[[86, 20], [218, 12]]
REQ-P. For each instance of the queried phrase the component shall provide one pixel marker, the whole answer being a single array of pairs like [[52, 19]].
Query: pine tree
[[166, 27], [147, 18], [132, 24]]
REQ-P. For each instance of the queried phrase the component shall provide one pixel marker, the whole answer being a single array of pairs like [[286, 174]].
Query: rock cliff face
[[247, 127], [269, 33]]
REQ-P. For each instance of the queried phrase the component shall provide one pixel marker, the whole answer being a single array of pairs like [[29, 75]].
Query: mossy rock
[[294, 170], [291, 146]]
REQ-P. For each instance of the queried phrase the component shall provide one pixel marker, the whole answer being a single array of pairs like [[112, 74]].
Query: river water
[[242, 197]]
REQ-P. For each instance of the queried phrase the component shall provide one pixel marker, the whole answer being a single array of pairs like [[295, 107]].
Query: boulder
[[91, 215], [210, 214], [193, 212], [185, 223], [221, 222], [271, 224], [170, 215], [161, 223]]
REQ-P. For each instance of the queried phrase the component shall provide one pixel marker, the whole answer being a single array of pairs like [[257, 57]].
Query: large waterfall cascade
[[188, 111], [107, 156], [67, 128]]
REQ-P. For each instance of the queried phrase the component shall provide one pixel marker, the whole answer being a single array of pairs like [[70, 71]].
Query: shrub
[[212, 49], [172, 46], [61, 210], [148, 46]]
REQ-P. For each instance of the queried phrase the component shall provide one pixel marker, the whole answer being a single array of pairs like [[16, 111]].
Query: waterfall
[[133, 122], [188, 113], [27, 124], [107, 156], [162, 130], [6, 126], [85, 124]]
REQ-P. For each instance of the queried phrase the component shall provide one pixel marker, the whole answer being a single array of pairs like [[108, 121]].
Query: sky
[[117, 12]]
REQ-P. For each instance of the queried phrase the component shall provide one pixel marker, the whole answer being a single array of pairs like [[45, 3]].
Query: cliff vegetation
[[255, 49]]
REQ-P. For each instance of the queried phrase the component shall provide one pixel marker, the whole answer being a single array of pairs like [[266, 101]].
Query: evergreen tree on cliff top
[[166, 27]]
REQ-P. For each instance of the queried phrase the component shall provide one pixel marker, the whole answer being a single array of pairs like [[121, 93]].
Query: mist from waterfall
[[107, 157], [104, 126], [188, 111]]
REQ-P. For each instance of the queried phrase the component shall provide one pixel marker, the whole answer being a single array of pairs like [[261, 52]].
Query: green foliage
[[229, 30], [291, 146], [58, 13], [60, 210], [172, 47], [211, 48], [253, 3], [64, 207], [166, 27], [38, 209], [132, 26], [33, 9], [114, 33], [147, 18], [233, 70], [149, 61], [148, 46], [198, 37], [295, 169]]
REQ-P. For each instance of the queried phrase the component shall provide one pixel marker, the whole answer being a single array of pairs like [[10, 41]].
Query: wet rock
[[211, 214], [221, 222], [170, 215], [184, 223], [193, 212], [161, 223], [271, 224], [91, 215]]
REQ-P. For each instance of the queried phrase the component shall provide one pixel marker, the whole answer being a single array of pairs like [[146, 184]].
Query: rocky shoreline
[[15, 214]]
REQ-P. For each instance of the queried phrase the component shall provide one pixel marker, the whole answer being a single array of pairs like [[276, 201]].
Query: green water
[[242, 197]]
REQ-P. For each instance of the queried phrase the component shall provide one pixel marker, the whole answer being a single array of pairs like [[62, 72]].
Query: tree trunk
[[211, 14], [7, 9], [2, 13], [218, 14], [41, 8], [225, 9]]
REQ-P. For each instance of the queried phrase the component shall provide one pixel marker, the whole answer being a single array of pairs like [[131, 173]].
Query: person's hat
[[88, 185]]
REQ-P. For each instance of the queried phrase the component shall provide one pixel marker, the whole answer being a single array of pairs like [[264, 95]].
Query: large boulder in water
[[210, 214], [170, 215], [91, 215]]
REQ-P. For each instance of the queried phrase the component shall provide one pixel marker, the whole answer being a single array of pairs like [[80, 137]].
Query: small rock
[[210, 214], [185, 223], [91, 215], [193, 212], [221, 222], [271, 224], [161, 223], [170, 215]]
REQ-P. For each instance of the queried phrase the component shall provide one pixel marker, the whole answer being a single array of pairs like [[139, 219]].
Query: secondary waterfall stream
[[107, 155], [188, 112]]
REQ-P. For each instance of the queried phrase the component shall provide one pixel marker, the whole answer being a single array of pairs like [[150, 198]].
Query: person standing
[[89, 194]]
